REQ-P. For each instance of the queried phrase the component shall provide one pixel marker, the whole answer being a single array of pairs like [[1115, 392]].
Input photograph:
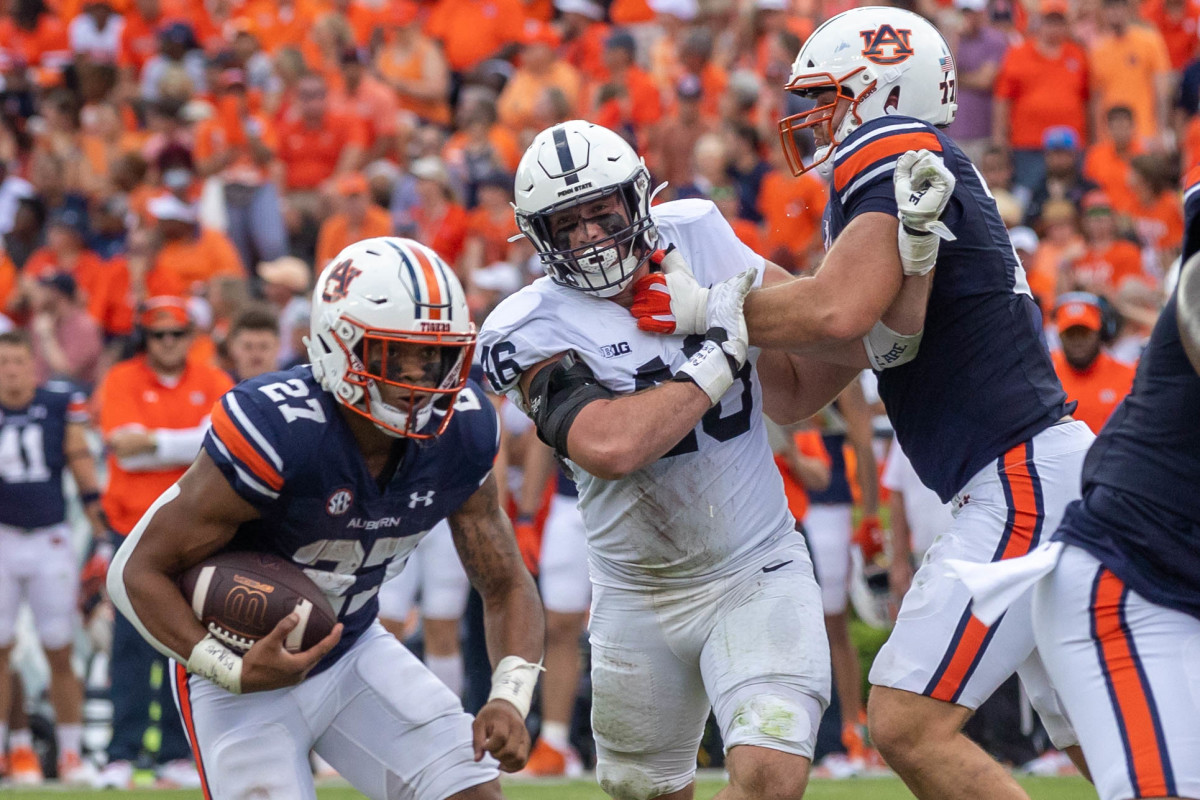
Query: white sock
[[21, 738], [557, 735], [3, 738], [448, 670], [69, 738]]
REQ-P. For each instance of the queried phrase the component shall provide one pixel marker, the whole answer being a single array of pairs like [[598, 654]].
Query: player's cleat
[[838, 766], [546, 760], [1051, 763], [24, 767], [178, 774], [116, 775], [74, 771]]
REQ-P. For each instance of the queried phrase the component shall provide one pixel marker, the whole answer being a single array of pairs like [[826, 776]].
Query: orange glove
[[529, 542], [652, 300], [869, 538]]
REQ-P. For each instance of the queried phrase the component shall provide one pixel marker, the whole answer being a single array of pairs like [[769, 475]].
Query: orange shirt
[[1104, 270], [810, 444], [791, 209], [1108, 169], [395, 65], [310, 155], [750, 234], [1159, 224], [494, 232], [518, 102], [374, 105], [48, 38], [642, 105], [132, 394], [447, 235], [1099, 389], [1043, 91], [1123, 71], [336, 234], [182, 264], [8, 281], [473, 30], [103, 286], [224, 132], [276, 25], [586, 51], [1178, 34]]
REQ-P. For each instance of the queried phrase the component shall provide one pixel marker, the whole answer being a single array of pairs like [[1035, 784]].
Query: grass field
[[584, 789]]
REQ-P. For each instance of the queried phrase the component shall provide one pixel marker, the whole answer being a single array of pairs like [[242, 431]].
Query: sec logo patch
[[339, 502]]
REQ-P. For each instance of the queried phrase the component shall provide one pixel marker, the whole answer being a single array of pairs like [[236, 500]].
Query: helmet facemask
[[823, 116], [602, 267], [380, 358]]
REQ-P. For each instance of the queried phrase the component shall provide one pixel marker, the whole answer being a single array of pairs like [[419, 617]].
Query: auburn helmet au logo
[[338, 282], [887, 45]]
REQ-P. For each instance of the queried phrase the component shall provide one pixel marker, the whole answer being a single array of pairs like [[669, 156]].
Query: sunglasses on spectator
[[168, 334]]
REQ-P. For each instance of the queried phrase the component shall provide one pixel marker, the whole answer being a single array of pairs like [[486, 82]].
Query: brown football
[[240, 597]]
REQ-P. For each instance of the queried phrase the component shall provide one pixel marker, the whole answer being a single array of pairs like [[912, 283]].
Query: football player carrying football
[[342, 466]]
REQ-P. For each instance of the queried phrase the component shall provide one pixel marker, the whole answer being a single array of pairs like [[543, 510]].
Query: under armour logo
[[425, 499]]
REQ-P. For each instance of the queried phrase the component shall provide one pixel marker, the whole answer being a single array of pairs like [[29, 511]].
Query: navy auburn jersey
[[282, 443], [32, 455], [983, 381], [838, 491], [1140, 512]]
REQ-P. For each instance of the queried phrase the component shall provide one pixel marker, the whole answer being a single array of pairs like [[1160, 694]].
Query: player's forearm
[[796, 387], [514, 620], [813, 473], [901, 535], [539, 466], [612, 438]]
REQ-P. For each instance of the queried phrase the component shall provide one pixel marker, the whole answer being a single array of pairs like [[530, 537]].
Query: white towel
[[997, 585]]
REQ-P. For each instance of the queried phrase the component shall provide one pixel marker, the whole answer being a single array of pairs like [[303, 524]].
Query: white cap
[[1024, 238], [685, 10], [430, 168], [971, 5], [771, 5], [498, 277], [170, 207], [589, 9]]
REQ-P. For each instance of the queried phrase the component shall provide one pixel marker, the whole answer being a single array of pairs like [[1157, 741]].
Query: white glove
[[726, 346], [923, 187]]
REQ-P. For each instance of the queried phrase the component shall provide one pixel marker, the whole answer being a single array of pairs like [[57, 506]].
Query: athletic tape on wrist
[[513, 681], [212, 660]]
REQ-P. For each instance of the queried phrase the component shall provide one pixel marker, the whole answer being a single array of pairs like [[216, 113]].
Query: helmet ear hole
[[893, 99]]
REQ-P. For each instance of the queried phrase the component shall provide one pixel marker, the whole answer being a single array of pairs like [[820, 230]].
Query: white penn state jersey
[[707, 505]]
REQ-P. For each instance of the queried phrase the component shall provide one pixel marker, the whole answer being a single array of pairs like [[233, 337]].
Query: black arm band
[[556, 396], [87, 498]]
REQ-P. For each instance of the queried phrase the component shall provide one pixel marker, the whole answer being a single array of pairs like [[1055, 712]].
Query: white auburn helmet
[[570, 164], [885, 61], [379, 293]]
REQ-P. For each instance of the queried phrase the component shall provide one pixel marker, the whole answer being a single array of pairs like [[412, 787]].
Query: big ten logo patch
[[887, 45], [614, 350]]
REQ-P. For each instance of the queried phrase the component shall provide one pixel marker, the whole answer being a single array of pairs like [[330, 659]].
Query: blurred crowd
[[209, 157]]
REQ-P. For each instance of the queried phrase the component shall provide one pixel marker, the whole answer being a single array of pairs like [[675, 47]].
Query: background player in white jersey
[[703, 592], [343, 466], [42, 430], [978, 408]]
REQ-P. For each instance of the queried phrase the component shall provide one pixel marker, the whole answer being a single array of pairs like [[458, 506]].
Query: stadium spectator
[[237, 146], [252, 344], [671, 143], [1129, 66], [1108, 260], [978, 53], [472, 31], [95, 34], [439, 219], [67, 342], [414, 67], [1090, 376], [627, 101], [371, 102], [1106, 162], [1043, 83], [182, 256], [357, 218], [178, 54], [1156, 212], [747, 167], [1176, 21], [27, 233], [540, 69], [1062, 179], [490, 226], [584, 31], [153, 413], [285, 284]]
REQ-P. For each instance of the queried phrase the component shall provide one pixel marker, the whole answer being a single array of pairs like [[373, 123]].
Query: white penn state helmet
[[573, 163], [373, 296], [884, 61]]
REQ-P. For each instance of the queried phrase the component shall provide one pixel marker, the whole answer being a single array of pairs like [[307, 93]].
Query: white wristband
[[886, 348], [212, 660], [513, 681], [918, 252]]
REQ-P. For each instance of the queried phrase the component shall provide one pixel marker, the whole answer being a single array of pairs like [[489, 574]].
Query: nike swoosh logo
[[774, 567]]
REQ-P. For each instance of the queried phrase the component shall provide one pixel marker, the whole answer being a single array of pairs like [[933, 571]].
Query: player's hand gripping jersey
[[708, 503], [983, 381], [283, 445]]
